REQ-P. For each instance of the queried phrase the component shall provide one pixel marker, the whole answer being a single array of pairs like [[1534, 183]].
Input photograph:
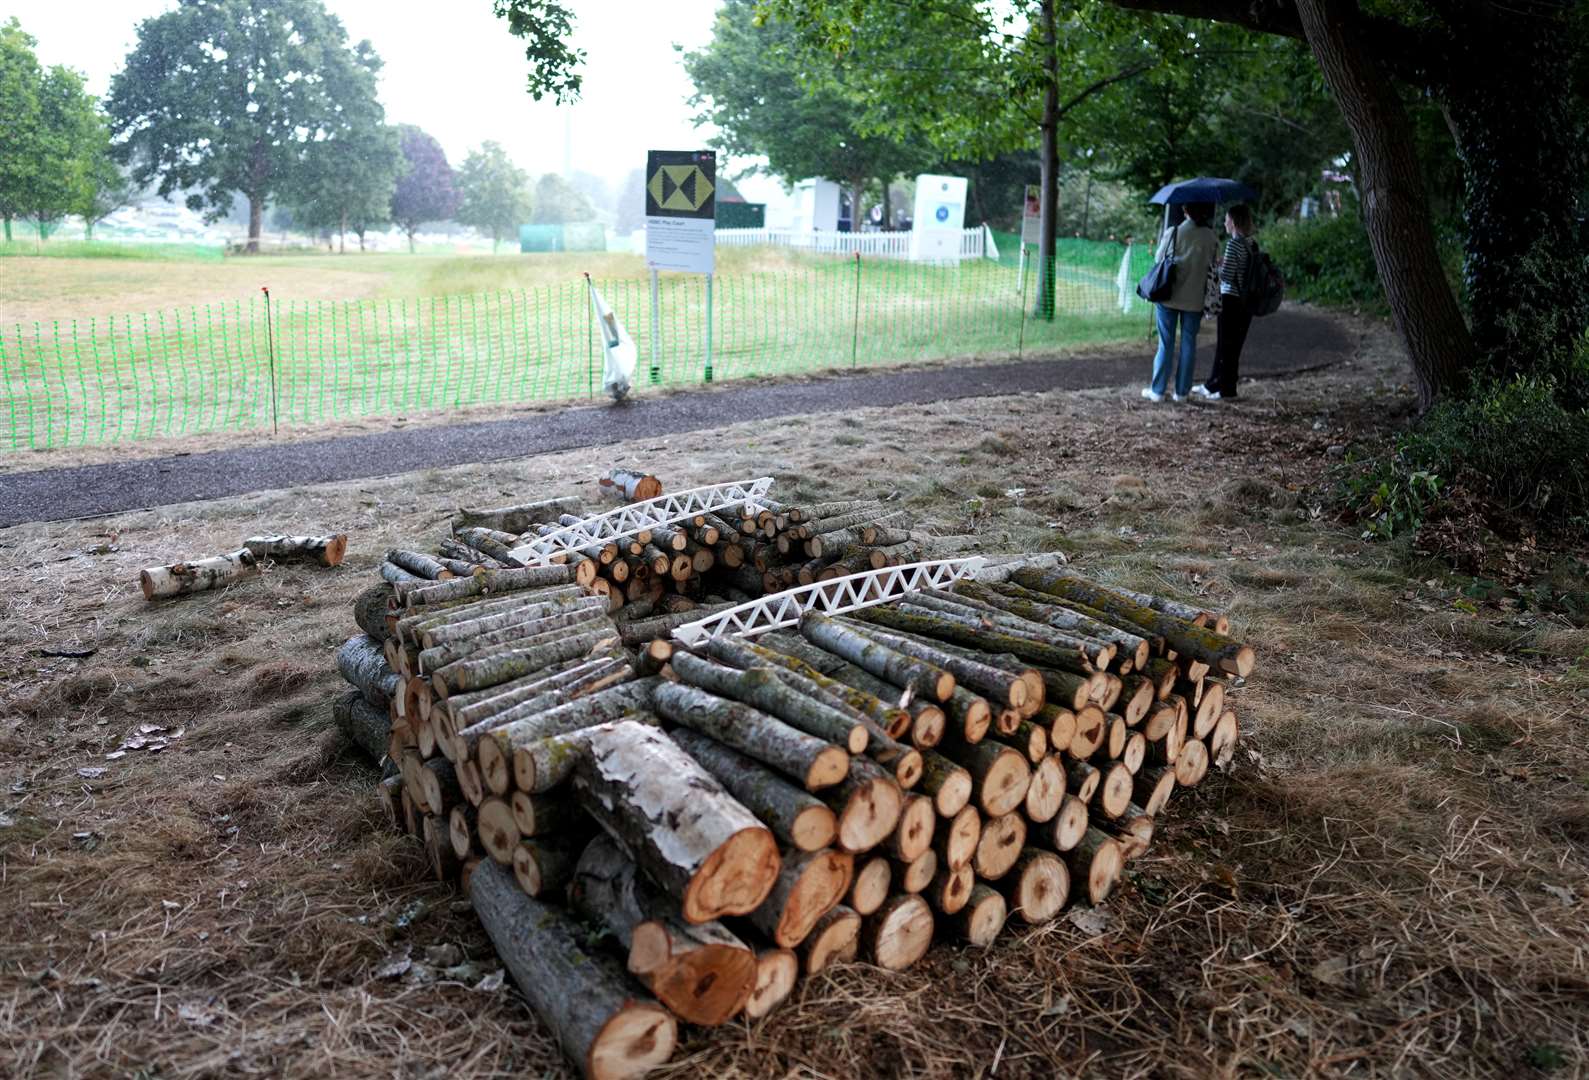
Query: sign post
[[681, 227]]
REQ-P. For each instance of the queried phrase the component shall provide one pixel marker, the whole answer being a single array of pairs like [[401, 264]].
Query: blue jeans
[[1168, 319]]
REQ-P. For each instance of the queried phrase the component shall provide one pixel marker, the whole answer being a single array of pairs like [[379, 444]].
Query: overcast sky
[[453, 69]]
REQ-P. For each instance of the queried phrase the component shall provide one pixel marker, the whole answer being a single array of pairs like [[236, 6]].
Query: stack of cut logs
[[757, 809]]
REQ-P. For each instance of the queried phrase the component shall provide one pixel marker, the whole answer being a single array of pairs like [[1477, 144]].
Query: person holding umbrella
[[1192, 245]]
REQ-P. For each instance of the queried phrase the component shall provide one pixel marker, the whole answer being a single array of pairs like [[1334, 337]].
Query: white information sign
[[940, 217]]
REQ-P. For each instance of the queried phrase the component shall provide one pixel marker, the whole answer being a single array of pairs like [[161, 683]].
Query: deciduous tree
[[426, 190], [493, 193], [558, 203]]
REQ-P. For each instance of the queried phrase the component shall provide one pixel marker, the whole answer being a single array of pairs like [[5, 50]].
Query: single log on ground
[[677, 822], [835, 939], [899, 933], [761, 689], [369, 609], [367, 727], [631, 485], [913, 835], [583, 998], [777, 971], [868, 803], [978, 923], [362, 662], [1095, 860], [1005, 687], [546, 866], [948, 782], [814, 763], [1198, 642], [518, 519], [999, 845], [796, 817], [951, 888], [1037, 887], [957, 837], [496, 749], [1046, 791], [897, 668], [320, 550], [1000, 775], [200, 575], [703, 974], [809, 884], [874, 877]]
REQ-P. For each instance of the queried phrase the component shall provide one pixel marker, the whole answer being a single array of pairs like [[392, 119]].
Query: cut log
[[581, 996], [545, 867], [1209, 709], [496, 749], [418, 564], [927, 724], [1037, 887], [999, 845], [477, 673], [1068, 689], [899, 933], [913, 835], [809, 884], [631, 485], [320, 550], [438, 848], [395, 575], [703, 973], [1133, 831], [200, 575], [970, 715], [1135, 752], [1163, 675], [1005, 687], [973, 613], [951, 888], [516, 638], [889, 719], [795, 817], [474, 789], [549, 761], [1136, 698], [1113, 686], [487, 582], [999, 774], [1092, 725], [903, 671], [1114, 793], [1046, 791], [1151, 789], [956, 838], [1096, 861], [1222, 740], [1029, 738], [914, 876], [439, 782], [362, 662], [1083, 778], [456, 549], [365, 726], [949, 783], [1114, 739], [519, 613], [1198, 642], [517, 519], [777, 971], [542, 815], [1040, 608], [1061, 727], [568, 681], [868, 803], [1068, 827], [498, 545], [676, 822], [498, 829], [979, 922], [761, 689], [369, 610], [812, 762], [835, 939], [1191, 764], [873, 879]]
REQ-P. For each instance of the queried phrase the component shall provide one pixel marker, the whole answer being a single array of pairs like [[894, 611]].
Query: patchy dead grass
[[1391, 881]]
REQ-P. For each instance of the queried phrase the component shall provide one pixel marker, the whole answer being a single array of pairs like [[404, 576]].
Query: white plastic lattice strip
[[638, 517], [832, 597]]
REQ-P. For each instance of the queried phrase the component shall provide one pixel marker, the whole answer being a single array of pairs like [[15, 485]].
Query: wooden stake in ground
[[796, 817], [321, 550], [704, 974], [581, 996], [1037, 887], [980, 921], [809, 884], [678, 823], [200, 575], [835, 939], [899, 934]]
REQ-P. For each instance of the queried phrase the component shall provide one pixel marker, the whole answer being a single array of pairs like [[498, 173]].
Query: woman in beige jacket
[[1195, 246]]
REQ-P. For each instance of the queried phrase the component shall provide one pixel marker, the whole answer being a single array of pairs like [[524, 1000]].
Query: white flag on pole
[[616, 345]]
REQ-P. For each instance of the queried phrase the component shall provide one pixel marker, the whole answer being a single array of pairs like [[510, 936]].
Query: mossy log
[[1040, 608], [884, 717], [487, 582], [1000, 775], [884, 663], [948, 782], [761, 689], [547, 763], [516, 637], [947, 628], [998, 685], [812, 762], [496, 749], [566, 681], [796, 817], [477, 673], [965, 610], [369, 609]]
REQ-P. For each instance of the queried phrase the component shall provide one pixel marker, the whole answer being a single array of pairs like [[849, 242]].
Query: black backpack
[[1263, 286]]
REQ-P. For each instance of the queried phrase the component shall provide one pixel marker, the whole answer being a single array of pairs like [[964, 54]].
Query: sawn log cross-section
[[641, 516], [832, 597]]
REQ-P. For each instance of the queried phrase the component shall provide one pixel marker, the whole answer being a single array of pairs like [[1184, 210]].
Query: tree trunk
[[704, 974], [256, 221], [812, 762], [796, 817], [1048, 165], [584, 998], [182, 578], [1395, 204], [677, 822]]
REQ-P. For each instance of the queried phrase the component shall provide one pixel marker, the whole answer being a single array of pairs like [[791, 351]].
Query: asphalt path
[[1290, 341]]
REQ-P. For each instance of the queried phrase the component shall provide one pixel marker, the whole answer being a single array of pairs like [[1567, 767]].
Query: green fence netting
[[248, 364]]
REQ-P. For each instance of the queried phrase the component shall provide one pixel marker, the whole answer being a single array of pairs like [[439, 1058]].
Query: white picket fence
[[975, 243]]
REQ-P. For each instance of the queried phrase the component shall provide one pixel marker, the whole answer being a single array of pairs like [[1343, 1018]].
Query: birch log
[[322, 550], [200, 575]]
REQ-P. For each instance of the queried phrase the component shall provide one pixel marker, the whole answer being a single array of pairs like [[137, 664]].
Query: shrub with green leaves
[[1327, 261]]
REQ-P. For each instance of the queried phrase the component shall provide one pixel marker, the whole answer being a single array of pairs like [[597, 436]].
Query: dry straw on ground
[[1393, 880]]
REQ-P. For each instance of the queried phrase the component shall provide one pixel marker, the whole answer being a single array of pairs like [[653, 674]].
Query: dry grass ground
[[1393, 879]]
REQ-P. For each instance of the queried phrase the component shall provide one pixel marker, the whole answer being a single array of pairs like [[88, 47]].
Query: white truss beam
[[637, 517], [832, 597]]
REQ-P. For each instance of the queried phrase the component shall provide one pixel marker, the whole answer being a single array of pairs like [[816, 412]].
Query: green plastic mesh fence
[[246, 364]]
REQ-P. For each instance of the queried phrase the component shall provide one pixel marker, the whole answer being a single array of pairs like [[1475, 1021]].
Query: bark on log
[[1136, 698], [200, 575], [796, 817], [1151, 789], [951, 888], [362, 662], [528, 612], [566, 681], [396, 576], [970, 715], [546, 630], [631, 485], [1040, 608], [366, 726], [582, 997], [1198, 642], [409, 624], [1029, 738], [320, 550], [438, 848], [980, 921], [477, 673], [545, 815], [957, 838], [545, 867], [1046, 791], [638, 633], [999, 846], [889, 719], [418, 564], [487, 582], [900, 670], [498, 546], [496, 749], [456, 549], [1004, 687], [517, 519], [809, 884], [1067, 689], [676, 822], [1133, 831], [968, 612], [1000, 775], [949, 783], [944, 628], [873, 879], [899, 933], [1096, 861], [703, 974], [1037, 887], [814, 763], [868, 803], [369, 610], [835, 939], [760, 689]]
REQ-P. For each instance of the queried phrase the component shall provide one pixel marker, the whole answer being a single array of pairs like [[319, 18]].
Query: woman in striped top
[[1235, 319]]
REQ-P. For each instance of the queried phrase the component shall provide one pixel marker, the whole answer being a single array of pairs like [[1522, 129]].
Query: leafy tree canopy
[[558, 202], [493, 193], [546, 27], [426, 189]]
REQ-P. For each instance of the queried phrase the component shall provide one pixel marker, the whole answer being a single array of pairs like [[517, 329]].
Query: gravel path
[[1289, 341]]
